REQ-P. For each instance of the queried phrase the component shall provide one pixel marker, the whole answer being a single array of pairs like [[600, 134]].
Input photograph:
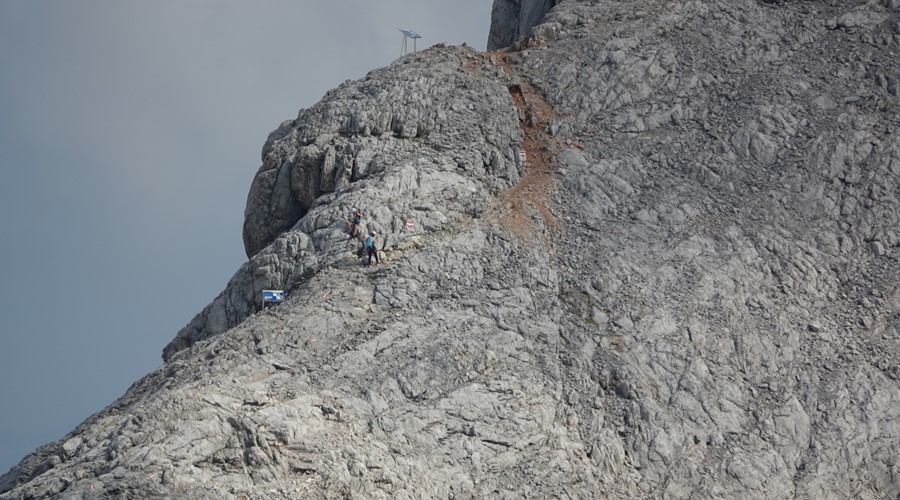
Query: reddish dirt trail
[[521, 207]]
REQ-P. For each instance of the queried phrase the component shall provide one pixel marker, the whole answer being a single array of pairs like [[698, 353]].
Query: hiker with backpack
[[353, 223], [371, 248]]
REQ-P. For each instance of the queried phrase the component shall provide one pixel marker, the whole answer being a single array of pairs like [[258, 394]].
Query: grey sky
[[129, 134]]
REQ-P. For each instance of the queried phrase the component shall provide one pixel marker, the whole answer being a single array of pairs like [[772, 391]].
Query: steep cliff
[[512, 20], [650, 251]]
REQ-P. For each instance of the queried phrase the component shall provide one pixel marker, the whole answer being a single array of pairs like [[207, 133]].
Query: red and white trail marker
[[410, 223]]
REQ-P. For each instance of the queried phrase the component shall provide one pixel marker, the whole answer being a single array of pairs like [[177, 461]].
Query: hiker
[[353, 223], [371, 249]]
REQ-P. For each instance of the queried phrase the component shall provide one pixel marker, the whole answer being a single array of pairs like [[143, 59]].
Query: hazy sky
[[129, 134]]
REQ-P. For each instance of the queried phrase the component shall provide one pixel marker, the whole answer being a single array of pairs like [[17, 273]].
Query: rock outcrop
[[512, 20], [652, 252], [430, 118], [428, 140]]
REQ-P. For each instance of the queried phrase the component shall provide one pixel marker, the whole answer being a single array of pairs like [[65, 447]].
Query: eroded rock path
[[532, 196]]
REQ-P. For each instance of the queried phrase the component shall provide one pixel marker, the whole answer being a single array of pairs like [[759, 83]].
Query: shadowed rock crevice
[[512, 20]]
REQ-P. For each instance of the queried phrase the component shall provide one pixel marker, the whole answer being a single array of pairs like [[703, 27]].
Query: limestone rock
[[427, 140], [685, 288], [432, 117], [512, 20]]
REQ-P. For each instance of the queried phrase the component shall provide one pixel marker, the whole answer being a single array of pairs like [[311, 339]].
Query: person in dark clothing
[[371, 248], [353, 223]]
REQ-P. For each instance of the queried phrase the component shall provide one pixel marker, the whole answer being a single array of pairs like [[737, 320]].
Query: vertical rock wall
[[512, 20]]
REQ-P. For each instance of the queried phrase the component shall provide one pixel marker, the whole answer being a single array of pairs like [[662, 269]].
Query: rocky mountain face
[[512, 20], [650, 251]]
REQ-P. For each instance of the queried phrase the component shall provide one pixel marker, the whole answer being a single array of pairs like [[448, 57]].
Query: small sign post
[[276, 296], [522, 156], [407, 34]]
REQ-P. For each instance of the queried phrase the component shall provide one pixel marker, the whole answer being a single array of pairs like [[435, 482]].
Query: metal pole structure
[[408, 33]]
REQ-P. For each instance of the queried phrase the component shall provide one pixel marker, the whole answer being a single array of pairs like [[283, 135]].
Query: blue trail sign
[[273, 295]]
